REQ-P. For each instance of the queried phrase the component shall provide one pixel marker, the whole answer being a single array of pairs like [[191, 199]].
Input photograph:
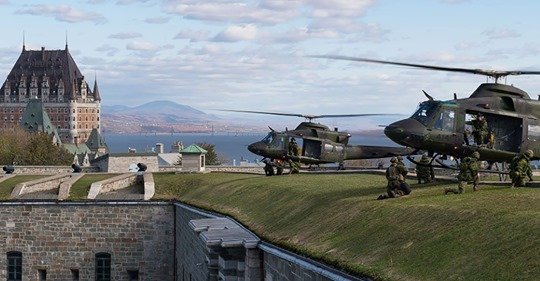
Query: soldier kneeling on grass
[[520, 169], [395, 187], [468, 173]]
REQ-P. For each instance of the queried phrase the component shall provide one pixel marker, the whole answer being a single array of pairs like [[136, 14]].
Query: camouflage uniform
[[293, 150], [480, 129], [520, 168], [424, 172], [404, 188], [468, 173], [392, 175], [293, 147]]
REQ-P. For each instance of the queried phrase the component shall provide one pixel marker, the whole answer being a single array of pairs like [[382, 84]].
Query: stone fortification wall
[[62, 237], [190, 250], [50, 170], [48, 183], [122, 164]]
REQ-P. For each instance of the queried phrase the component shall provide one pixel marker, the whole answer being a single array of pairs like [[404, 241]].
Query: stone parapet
[[114, 183], [149, 186], [41, 184], [65, 187], [50, 170]]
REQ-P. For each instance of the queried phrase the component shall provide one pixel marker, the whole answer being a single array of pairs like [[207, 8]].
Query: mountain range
[[155, 117]]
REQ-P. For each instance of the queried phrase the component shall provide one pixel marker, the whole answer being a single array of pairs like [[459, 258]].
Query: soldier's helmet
[[529, 153], [424, 157], [399, 158], [393, 160], [476, 155]]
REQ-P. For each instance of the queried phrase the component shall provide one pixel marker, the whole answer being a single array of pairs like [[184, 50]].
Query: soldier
[[293, 147], [392, 175], [480, 129], [268, 168], [424, 171], [520, 168], [468, 173], [404, 188]]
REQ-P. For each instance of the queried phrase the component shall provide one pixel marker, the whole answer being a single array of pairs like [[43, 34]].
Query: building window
[[42, 274], [74, 274], [103, 267], [133, 275], [14, 266]]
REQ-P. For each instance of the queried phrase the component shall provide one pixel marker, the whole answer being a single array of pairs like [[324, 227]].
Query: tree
[[212, 157], [18, 147]]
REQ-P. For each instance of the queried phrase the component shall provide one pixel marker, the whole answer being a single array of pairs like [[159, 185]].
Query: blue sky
[[253, 55]]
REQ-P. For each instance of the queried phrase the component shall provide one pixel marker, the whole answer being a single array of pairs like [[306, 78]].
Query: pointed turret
[[96, 142], [97, 97]]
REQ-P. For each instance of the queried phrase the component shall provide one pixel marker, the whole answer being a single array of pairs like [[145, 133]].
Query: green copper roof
[[77, 149], [95, 140], [195, 149], [35, 119]]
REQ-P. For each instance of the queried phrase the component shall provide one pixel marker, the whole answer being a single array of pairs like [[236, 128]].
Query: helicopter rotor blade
[[264, 112], [310, 116], [487, 72]]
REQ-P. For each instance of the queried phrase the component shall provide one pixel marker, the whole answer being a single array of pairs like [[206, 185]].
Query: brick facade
[[63, 238]]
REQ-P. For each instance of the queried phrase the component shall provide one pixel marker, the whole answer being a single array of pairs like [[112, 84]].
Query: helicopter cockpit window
[[445, 120], [268, 139], [278, 141], [424, 112]]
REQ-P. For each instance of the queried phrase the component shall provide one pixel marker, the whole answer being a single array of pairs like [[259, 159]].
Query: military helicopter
[[318, 144], [440, 126]]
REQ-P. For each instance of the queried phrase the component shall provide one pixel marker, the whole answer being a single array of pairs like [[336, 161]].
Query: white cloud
[[193, 35], [500, 33], [108, 49], [142, 46], [63, 13], [125, 35], [339, 8], [157, 20], [229, 11], [237, 33]]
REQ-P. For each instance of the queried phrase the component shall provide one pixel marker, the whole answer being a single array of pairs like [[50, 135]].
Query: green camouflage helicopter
[[317, 143], [440, 127]]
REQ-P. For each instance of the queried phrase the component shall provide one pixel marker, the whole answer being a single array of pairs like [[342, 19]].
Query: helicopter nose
[[256, 147], [407, 132]]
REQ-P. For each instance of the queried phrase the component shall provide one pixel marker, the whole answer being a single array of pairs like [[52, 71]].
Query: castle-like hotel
[[51, 76]]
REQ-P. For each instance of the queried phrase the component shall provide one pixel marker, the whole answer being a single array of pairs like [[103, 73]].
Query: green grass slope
[[7, 185], [79, 190], [492, 234]]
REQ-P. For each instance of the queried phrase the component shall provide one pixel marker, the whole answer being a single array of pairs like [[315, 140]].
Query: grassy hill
[[492, 234]]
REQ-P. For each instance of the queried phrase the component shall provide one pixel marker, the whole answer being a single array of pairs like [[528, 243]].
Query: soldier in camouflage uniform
[[480, 129], [468, 173], [404, 188], [392, 175], [424, 171], [520, 168]]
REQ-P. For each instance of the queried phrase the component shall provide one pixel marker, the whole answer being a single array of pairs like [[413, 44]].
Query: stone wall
[[62, 237], [191, 263], [50, 170], [47, 183]]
